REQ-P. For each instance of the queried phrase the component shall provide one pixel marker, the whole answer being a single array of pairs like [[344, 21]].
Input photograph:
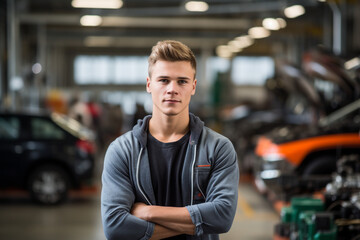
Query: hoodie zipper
[[137, 177], [192, 173]]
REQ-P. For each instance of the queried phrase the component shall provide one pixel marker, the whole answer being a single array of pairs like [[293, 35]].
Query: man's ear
[[194, 87], [148, 89]]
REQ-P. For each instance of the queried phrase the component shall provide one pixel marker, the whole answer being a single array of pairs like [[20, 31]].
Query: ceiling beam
[[114, 21]]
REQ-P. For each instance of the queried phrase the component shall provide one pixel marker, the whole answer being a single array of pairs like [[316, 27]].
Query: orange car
[[307, 151]]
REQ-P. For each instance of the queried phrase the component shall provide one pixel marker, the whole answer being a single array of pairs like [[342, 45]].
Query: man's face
[[171, 85]]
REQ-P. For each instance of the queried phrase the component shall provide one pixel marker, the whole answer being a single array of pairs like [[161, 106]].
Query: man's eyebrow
[[178, 78], [162, 77], [183, 78]]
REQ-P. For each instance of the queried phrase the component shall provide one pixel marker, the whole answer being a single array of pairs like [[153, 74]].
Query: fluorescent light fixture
[[259, 32], [90, 20], [224, 51], [244, 41], [352, 63], [196, 6], [108, 4], [294, 11], [271, 24], [282, 22]]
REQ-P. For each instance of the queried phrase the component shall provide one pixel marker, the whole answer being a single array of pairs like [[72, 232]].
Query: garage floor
[[254, 219], [79, 218]]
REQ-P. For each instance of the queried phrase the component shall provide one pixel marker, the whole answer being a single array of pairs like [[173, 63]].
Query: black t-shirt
[[166, 165]]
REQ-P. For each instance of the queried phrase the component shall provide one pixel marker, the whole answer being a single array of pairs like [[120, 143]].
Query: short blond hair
[[172, 51]]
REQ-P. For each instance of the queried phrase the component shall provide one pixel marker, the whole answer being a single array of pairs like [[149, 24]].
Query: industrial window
[[94, 70], [216, 65], [252, 70]]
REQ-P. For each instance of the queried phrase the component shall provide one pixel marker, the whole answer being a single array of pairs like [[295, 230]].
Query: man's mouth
[[171, 100]]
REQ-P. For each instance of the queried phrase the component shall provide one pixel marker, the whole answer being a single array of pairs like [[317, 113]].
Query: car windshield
[[340, 114], [72, 126]]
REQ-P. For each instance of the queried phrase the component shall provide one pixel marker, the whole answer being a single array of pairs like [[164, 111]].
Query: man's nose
[[172, 87]]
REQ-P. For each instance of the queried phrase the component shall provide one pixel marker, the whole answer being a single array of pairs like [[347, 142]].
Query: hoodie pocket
[[202, 175]]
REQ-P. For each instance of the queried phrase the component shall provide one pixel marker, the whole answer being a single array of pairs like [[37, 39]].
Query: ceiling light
[[282, 22], [271, 24], [294, 11], [259, 32], [196, 6], [235, 46], [36, 68], [244, 41], [90, 20], [109, 4], [224, 51]]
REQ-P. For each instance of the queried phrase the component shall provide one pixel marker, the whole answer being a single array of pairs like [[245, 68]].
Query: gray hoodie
[[210, 179]]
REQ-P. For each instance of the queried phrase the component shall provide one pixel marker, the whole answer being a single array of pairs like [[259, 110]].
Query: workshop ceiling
[[140, 23]]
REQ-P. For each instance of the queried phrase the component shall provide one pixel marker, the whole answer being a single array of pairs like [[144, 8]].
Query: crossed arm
[[169, 221], [124, 220]]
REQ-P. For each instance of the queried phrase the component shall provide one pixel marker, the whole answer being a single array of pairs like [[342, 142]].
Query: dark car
[[44, 153]]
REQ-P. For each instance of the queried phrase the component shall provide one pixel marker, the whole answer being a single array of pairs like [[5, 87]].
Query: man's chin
[[172, 112]]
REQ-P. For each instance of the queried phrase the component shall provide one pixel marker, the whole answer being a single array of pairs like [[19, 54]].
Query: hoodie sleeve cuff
[[196, 219], [149, 231]]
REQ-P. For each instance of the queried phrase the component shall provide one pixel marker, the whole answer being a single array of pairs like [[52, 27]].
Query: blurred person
[[111, 124], [139, 113], [79, 111], [95, 112], [170, 177], [6, 102]]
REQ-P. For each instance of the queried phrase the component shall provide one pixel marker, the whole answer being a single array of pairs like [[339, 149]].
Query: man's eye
[[182, 81], [163, 80]]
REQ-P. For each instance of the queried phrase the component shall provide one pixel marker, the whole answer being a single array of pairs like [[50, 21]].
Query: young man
[[170, 177]]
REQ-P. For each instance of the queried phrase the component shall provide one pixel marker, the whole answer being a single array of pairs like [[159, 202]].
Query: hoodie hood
[[141, 128]]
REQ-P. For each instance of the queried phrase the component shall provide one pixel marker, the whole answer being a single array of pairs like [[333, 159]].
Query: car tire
[[48, 185], [322, 165]]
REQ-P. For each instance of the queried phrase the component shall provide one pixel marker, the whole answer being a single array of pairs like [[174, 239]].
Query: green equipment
[[307, 221]]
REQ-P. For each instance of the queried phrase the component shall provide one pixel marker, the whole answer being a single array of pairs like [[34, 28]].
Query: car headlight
[[275, 165], [270, 174], [273, 157]]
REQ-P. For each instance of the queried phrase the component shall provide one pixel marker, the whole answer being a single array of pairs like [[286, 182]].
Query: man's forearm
[[175, 218], [161, 232]]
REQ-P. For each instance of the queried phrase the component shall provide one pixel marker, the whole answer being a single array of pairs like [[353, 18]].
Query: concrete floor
[[79, 218], [255, 218]]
